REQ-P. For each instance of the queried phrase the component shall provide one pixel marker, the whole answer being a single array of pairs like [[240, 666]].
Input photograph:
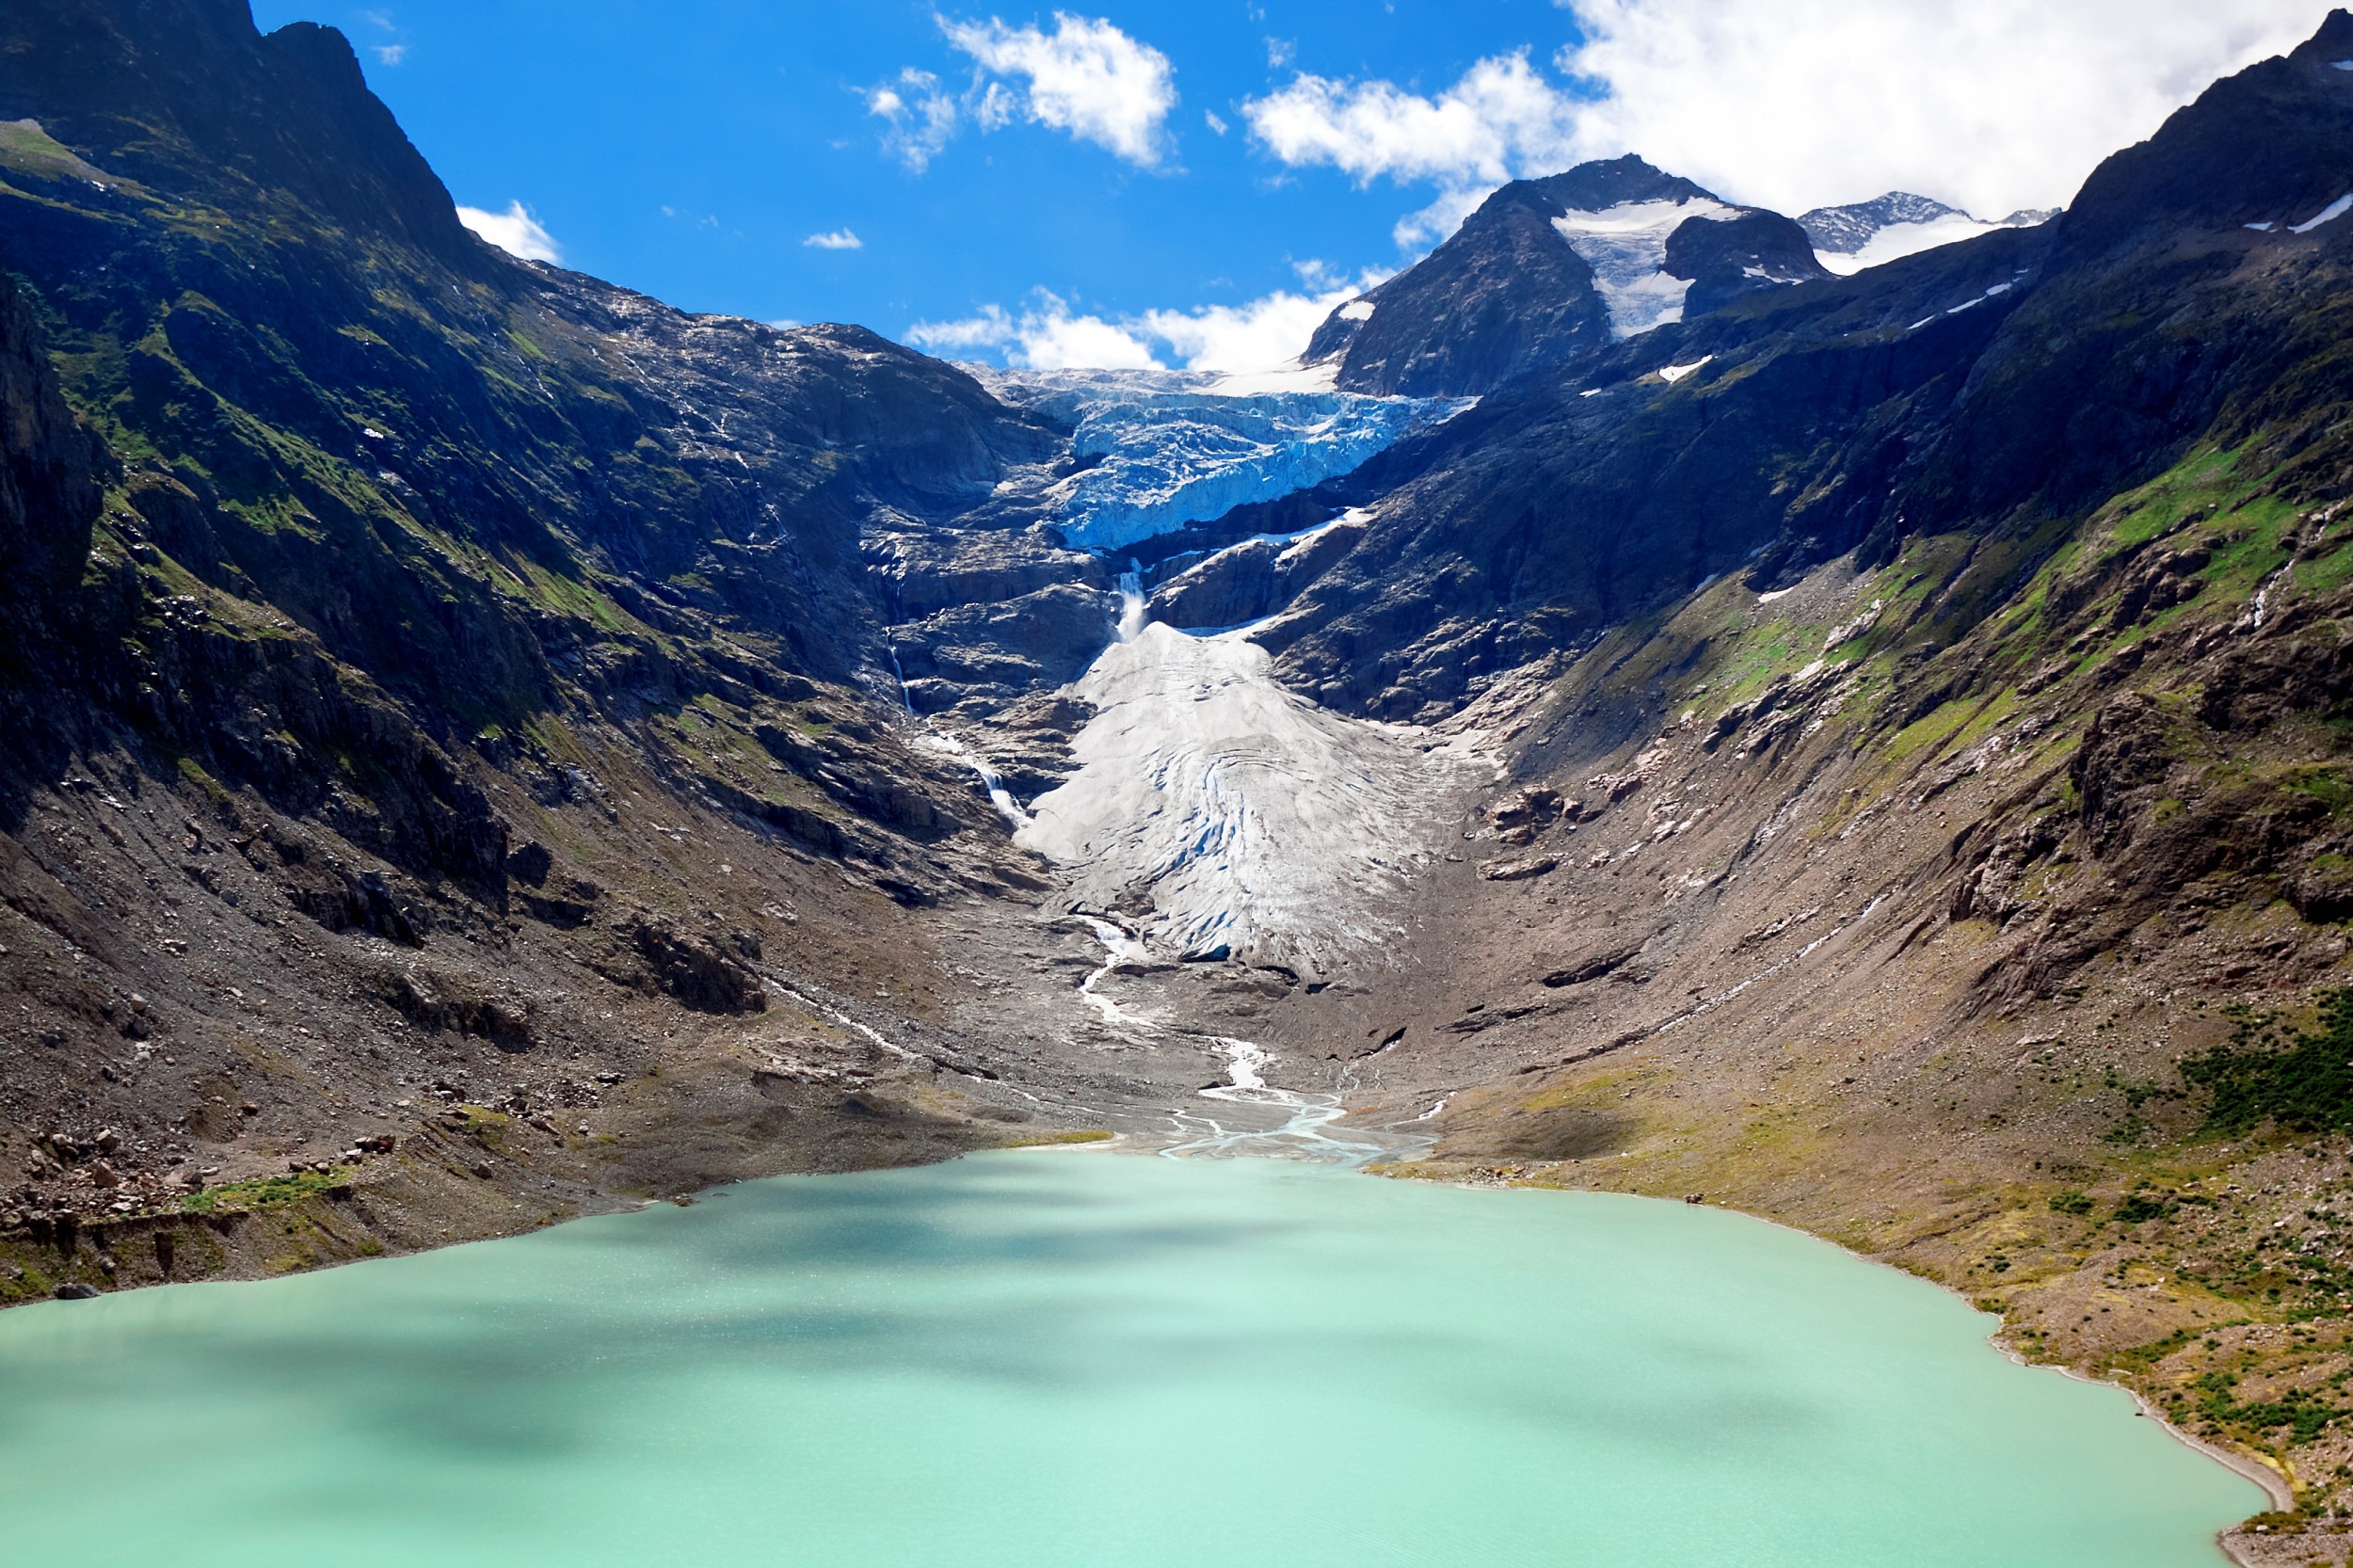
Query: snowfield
[[1627, 247]]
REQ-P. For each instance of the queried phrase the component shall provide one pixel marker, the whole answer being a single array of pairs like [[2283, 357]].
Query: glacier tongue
[[1178, 448], [1264, 827]]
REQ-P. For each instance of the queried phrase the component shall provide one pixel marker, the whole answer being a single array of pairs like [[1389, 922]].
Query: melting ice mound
[[1176, 447], [1264, 827]]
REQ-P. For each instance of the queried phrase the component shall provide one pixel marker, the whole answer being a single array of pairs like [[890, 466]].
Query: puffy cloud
[[1085, 78], [1048, 334], [835, 239], [1261, 335], [1992, 106], [515, 231], [1792, 103], [1500, 118]]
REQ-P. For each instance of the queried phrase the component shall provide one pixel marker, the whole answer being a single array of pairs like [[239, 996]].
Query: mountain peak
[[1548, 268], [1846, 230], [1599, 185], [187, 97]]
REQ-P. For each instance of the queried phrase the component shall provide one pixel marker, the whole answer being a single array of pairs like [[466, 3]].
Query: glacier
[[1268, 828], [1176, 447], [1627, 247]]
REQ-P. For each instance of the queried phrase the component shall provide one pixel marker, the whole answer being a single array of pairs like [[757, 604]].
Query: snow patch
[[2329, 213], [1899, 240], [1671, 374], [1627, 247]]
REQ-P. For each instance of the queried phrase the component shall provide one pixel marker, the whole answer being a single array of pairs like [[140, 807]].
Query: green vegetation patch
[[2303, 1083], [24, 146], [268, 1193], [1070, 1135], [2299, 1410]]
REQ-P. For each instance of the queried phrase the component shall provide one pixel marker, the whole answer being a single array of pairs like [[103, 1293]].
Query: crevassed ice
[[1627, 247], [1265, 825], [1178, 448]]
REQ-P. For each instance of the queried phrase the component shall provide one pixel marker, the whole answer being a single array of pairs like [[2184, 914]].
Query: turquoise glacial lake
[[1054, 1358]]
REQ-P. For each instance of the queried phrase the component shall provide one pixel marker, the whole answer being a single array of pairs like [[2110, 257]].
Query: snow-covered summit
[[1550, 267], [1865, 233]]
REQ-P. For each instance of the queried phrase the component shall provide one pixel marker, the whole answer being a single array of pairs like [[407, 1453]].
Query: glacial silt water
[[1056, 1358]]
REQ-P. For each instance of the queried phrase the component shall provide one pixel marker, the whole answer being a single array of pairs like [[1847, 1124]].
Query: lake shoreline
[[2229, 1542], [2232, 1542], [1122, 1300]]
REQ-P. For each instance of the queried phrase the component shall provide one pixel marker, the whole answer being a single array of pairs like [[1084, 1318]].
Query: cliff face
[[432, 679]]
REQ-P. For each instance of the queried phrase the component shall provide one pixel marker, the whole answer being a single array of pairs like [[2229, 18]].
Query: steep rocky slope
[[447, 699], [1929, 828], [1547, 268]]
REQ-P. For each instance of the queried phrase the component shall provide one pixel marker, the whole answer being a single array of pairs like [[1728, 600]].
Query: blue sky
[[1048, 185]]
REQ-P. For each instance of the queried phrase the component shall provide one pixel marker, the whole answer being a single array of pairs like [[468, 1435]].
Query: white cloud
[[923, 117], [1992, 106], [1793, 103], [1261, 335], [1500, 118], [1086, 78], [1425, 227], [1209, 117], [515, 230], [835, 239], [392, 53], [1048, 334]]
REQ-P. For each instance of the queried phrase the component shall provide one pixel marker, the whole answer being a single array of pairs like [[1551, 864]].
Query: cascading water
[[1131, 608], [991, 780], [1300, 1134], [940, 739]]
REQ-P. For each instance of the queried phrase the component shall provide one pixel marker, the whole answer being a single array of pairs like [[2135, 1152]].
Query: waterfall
[[1132, 601]]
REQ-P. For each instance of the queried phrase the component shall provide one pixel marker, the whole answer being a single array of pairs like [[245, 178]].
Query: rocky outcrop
[[1248, 581]]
